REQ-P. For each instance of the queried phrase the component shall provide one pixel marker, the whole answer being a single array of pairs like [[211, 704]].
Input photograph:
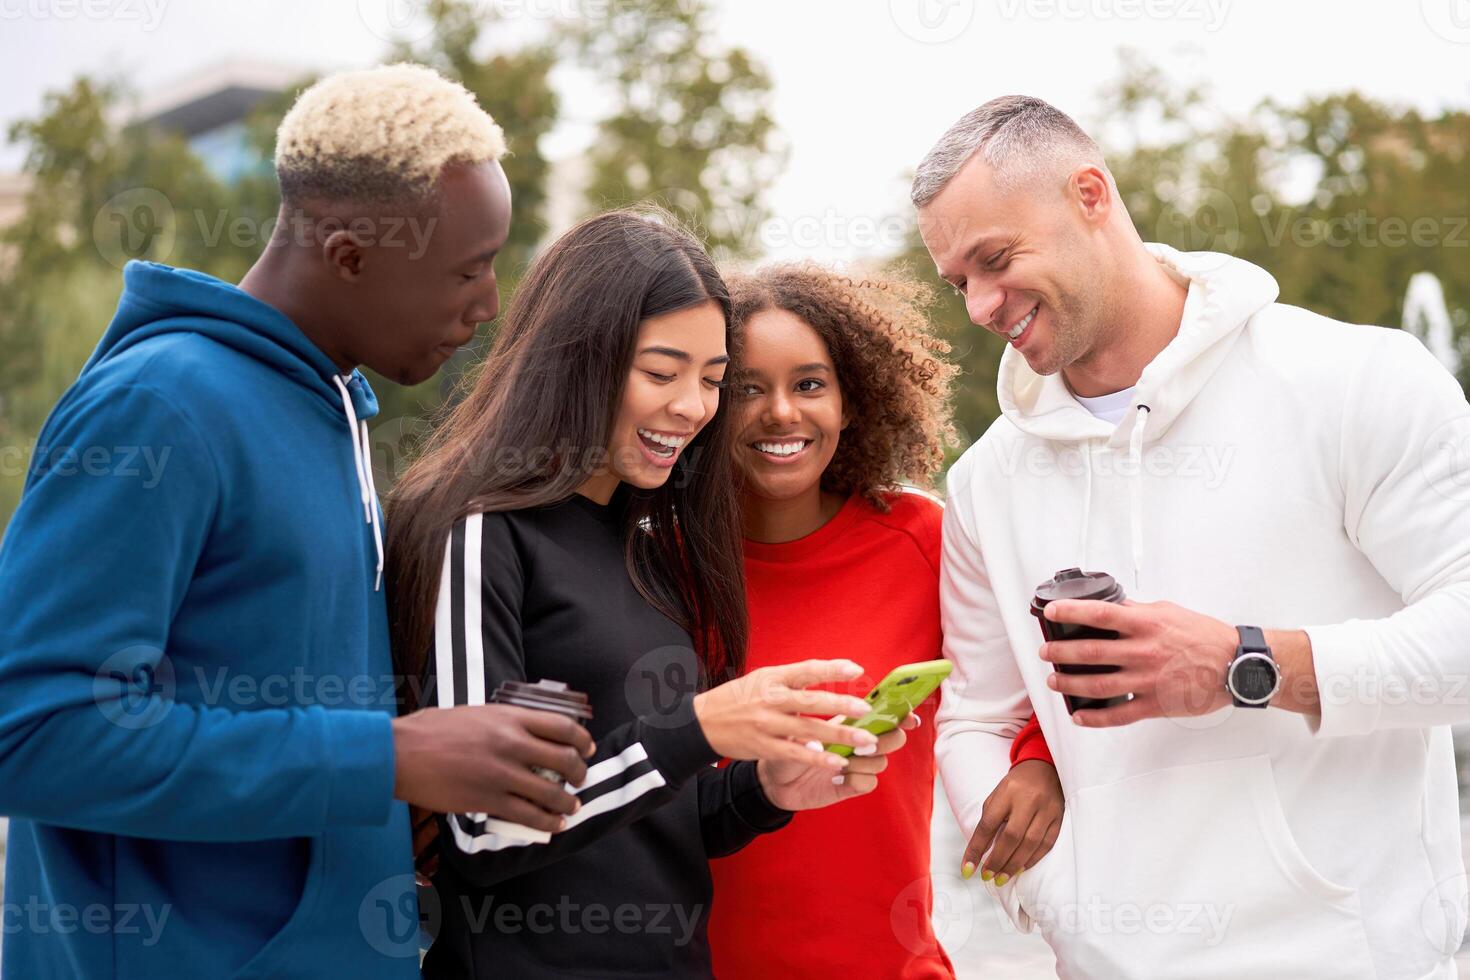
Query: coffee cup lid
[[1074, 583], [544, 694]]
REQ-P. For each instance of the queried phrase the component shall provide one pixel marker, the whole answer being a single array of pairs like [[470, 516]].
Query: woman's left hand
[[800, 786], [1019, 823]]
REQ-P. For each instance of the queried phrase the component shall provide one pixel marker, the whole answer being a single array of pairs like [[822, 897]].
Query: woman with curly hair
[[840, 402]]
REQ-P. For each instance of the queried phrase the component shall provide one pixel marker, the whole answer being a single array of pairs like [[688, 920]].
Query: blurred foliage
[[698, 120], [61, 279], [1341, 197], [691, 127]]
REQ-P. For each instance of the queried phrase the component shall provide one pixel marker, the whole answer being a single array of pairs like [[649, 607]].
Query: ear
[[344, 251], [1092, 193]]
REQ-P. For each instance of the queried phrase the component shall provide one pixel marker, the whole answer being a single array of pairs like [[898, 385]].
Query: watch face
[[1253, 678]]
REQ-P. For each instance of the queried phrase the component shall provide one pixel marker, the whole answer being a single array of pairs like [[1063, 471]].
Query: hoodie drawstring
[[1135, 458], [1086, 497], [362, 459]]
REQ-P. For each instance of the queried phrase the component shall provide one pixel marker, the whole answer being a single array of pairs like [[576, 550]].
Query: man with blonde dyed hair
[[1255, 748], [199, 749]]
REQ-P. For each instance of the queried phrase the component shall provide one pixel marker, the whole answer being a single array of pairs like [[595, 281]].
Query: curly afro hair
[[891, 370]]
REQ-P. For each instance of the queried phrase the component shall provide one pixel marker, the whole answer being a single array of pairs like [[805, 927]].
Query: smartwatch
[[1252, 677]]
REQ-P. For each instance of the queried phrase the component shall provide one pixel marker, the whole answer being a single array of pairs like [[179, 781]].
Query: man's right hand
[[478, 759]]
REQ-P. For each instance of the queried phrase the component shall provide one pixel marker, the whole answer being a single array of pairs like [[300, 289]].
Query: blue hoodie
[[195, 727]]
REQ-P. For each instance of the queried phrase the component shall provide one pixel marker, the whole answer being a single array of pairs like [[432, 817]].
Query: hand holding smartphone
[[895, 696]]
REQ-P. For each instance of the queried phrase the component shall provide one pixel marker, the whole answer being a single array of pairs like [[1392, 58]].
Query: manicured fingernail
[[814, 745], [866, 750], [1001, 880], [838, 780], [1051, 681], [986, 875], [967, 869], [851, 667]]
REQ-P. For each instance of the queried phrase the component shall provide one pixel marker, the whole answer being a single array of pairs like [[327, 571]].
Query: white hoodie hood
[[1224, 292], [1276, 469]]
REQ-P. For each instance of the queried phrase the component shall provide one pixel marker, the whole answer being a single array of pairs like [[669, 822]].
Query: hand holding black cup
[[1073, 583]]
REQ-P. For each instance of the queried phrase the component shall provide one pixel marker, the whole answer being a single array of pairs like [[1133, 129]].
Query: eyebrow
[[980, 244], [985, 243], [810, 368], [484, 256], [679, 355]]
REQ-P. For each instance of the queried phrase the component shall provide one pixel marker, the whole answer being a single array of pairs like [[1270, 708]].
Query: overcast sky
[[863, 87]]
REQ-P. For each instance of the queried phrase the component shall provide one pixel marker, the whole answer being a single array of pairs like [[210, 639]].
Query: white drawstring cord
[[1135, 453], [362, 460], [367, 465], [362, 489], [1086, 497]]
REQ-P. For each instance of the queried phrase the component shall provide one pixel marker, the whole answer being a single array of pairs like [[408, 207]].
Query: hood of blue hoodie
[[159, 299]]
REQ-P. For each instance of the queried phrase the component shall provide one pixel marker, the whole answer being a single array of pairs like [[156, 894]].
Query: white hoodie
[[1287, 471]]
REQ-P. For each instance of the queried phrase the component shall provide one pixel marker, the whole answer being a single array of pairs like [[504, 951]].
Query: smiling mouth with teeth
[[661, 445], [784, 447], [1022, 324]]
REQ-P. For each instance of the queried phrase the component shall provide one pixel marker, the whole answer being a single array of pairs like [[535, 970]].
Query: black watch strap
[[1252, 640]]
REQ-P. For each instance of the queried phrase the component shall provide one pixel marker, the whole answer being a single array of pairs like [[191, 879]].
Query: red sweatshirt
[[845, 890]]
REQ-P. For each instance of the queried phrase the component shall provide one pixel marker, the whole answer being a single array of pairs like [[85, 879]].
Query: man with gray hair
[[1259, 771]]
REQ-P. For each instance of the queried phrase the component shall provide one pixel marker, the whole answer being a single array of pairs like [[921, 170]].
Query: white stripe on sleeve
[[474, 640], [443, 635]]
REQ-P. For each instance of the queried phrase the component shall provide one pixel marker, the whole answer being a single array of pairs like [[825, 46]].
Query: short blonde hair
[[380, 135]]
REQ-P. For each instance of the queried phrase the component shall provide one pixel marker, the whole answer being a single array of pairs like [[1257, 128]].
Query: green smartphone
[[903, 690]]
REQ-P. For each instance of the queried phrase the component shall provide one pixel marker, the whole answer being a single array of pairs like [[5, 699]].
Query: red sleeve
[[1029, 743]]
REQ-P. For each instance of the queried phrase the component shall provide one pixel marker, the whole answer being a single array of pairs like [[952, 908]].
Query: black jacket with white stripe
[[624, 891]]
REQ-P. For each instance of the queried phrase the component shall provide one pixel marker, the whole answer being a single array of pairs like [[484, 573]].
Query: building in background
[[209, 108]]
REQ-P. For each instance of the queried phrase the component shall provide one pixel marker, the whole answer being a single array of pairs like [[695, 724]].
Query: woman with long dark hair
[[575, 520]]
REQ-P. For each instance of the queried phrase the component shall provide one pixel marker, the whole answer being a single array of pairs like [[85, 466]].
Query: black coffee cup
[[545, 695], [1074, 583]]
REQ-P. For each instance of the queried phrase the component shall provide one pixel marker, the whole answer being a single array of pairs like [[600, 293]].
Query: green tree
[[691, 127], [514, 87], [1341, 197], [60, 281], [694, 127]]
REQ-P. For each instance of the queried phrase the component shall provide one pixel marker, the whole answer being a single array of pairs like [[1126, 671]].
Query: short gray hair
[[1018, 135]]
